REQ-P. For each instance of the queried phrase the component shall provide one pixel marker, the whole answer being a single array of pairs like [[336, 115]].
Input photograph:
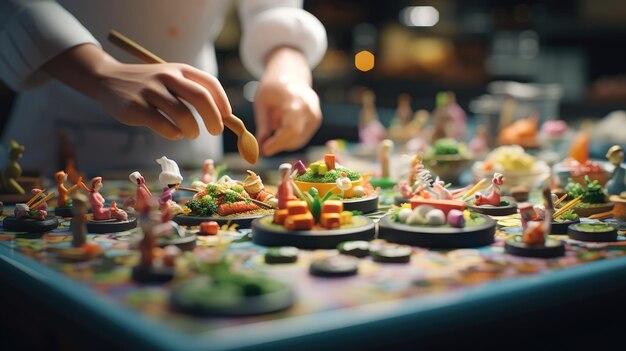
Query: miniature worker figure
[[142, 194], [78, 224], [386, 146], [63, 192], [285, 188], [617, 184], [170, 178], [95, 86], [97, 203], [10, 175]]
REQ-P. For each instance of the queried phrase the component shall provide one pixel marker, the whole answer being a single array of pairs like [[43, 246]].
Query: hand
[[287, 111], [133, 94]]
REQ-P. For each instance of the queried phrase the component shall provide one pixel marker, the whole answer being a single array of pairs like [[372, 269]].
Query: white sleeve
[[268, 24], [31, 33]]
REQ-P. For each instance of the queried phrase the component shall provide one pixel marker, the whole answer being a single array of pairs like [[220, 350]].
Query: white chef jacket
[[34, 31]]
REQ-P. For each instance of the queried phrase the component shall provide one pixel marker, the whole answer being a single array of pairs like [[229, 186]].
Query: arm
[[40, 40], [281, 43]]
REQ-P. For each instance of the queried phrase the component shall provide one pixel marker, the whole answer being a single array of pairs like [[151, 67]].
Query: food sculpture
[[32, 216], [327, 176], [318, 220], [229, 199], [586, 199]]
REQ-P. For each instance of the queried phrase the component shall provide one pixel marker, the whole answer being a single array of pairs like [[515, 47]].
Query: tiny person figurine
[[371, 131], [142, 194], [170, 178], [78, 224], [208, 169], [285, 188], [97, 203], [63, 192], [617, 184], [386, 146]]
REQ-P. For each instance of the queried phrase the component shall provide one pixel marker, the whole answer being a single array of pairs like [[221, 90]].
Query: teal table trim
[[417, 316]]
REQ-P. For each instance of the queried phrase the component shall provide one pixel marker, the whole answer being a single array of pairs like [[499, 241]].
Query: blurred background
[[570, 53]]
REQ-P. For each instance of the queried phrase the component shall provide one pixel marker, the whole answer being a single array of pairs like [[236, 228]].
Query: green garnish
[[592, 192], [330, 177], [568, 215]]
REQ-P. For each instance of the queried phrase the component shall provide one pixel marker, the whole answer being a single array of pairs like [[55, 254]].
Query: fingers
[[145, 115], [281, 141], [175, 110], [200, 98], [213, 85]]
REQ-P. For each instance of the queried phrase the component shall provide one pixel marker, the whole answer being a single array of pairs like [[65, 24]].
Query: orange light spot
[[364, 60]]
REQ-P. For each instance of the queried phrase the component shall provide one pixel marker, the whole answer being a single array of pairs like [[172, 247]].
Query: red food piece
[[91, 248], [299, 222], [330, 220], [209, 228], [235, 207]]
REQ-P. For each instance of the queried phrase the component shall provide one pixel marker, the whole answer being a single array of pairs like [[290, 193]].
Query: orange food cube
[[332, 206], [91, 248], [330, 220], [346, 217], [209, 228], [303, 221], [280, 216], [297, 207], [329, 160]]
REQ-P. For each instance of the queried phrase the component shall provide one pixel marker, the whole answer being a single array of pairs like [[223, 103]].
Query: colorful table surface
[[436, 286]]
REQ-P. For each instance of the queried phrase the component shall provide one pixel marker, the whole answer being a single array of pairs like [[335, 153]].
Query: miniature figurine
[[78, 224], [449, 120], [386, 147], [479, 145], [371, 131], [536, 231], [208, 169], [101, 213], [493, 192], [143, 193], [253, 185], [170, 178], [617, 184], [146, 271], [344, 184], [285, 187], [63, 192], [13, 171], [459, 117]]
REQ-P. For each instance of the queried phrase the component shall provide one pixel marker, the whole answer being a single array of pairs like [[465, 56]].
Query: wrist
[[81, 67], [287, 65]]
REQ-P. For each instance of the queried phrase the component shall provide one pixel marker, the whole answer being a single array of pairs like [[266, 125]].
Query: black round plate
[[580, 235], [111, 226], [187, 243], [367, 204], [265, 233], [496, 210], [202, 305], [437, 237], [142, 274], [11, 223], [552, 248], [561, 227], [244, 222], [65, 211]]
